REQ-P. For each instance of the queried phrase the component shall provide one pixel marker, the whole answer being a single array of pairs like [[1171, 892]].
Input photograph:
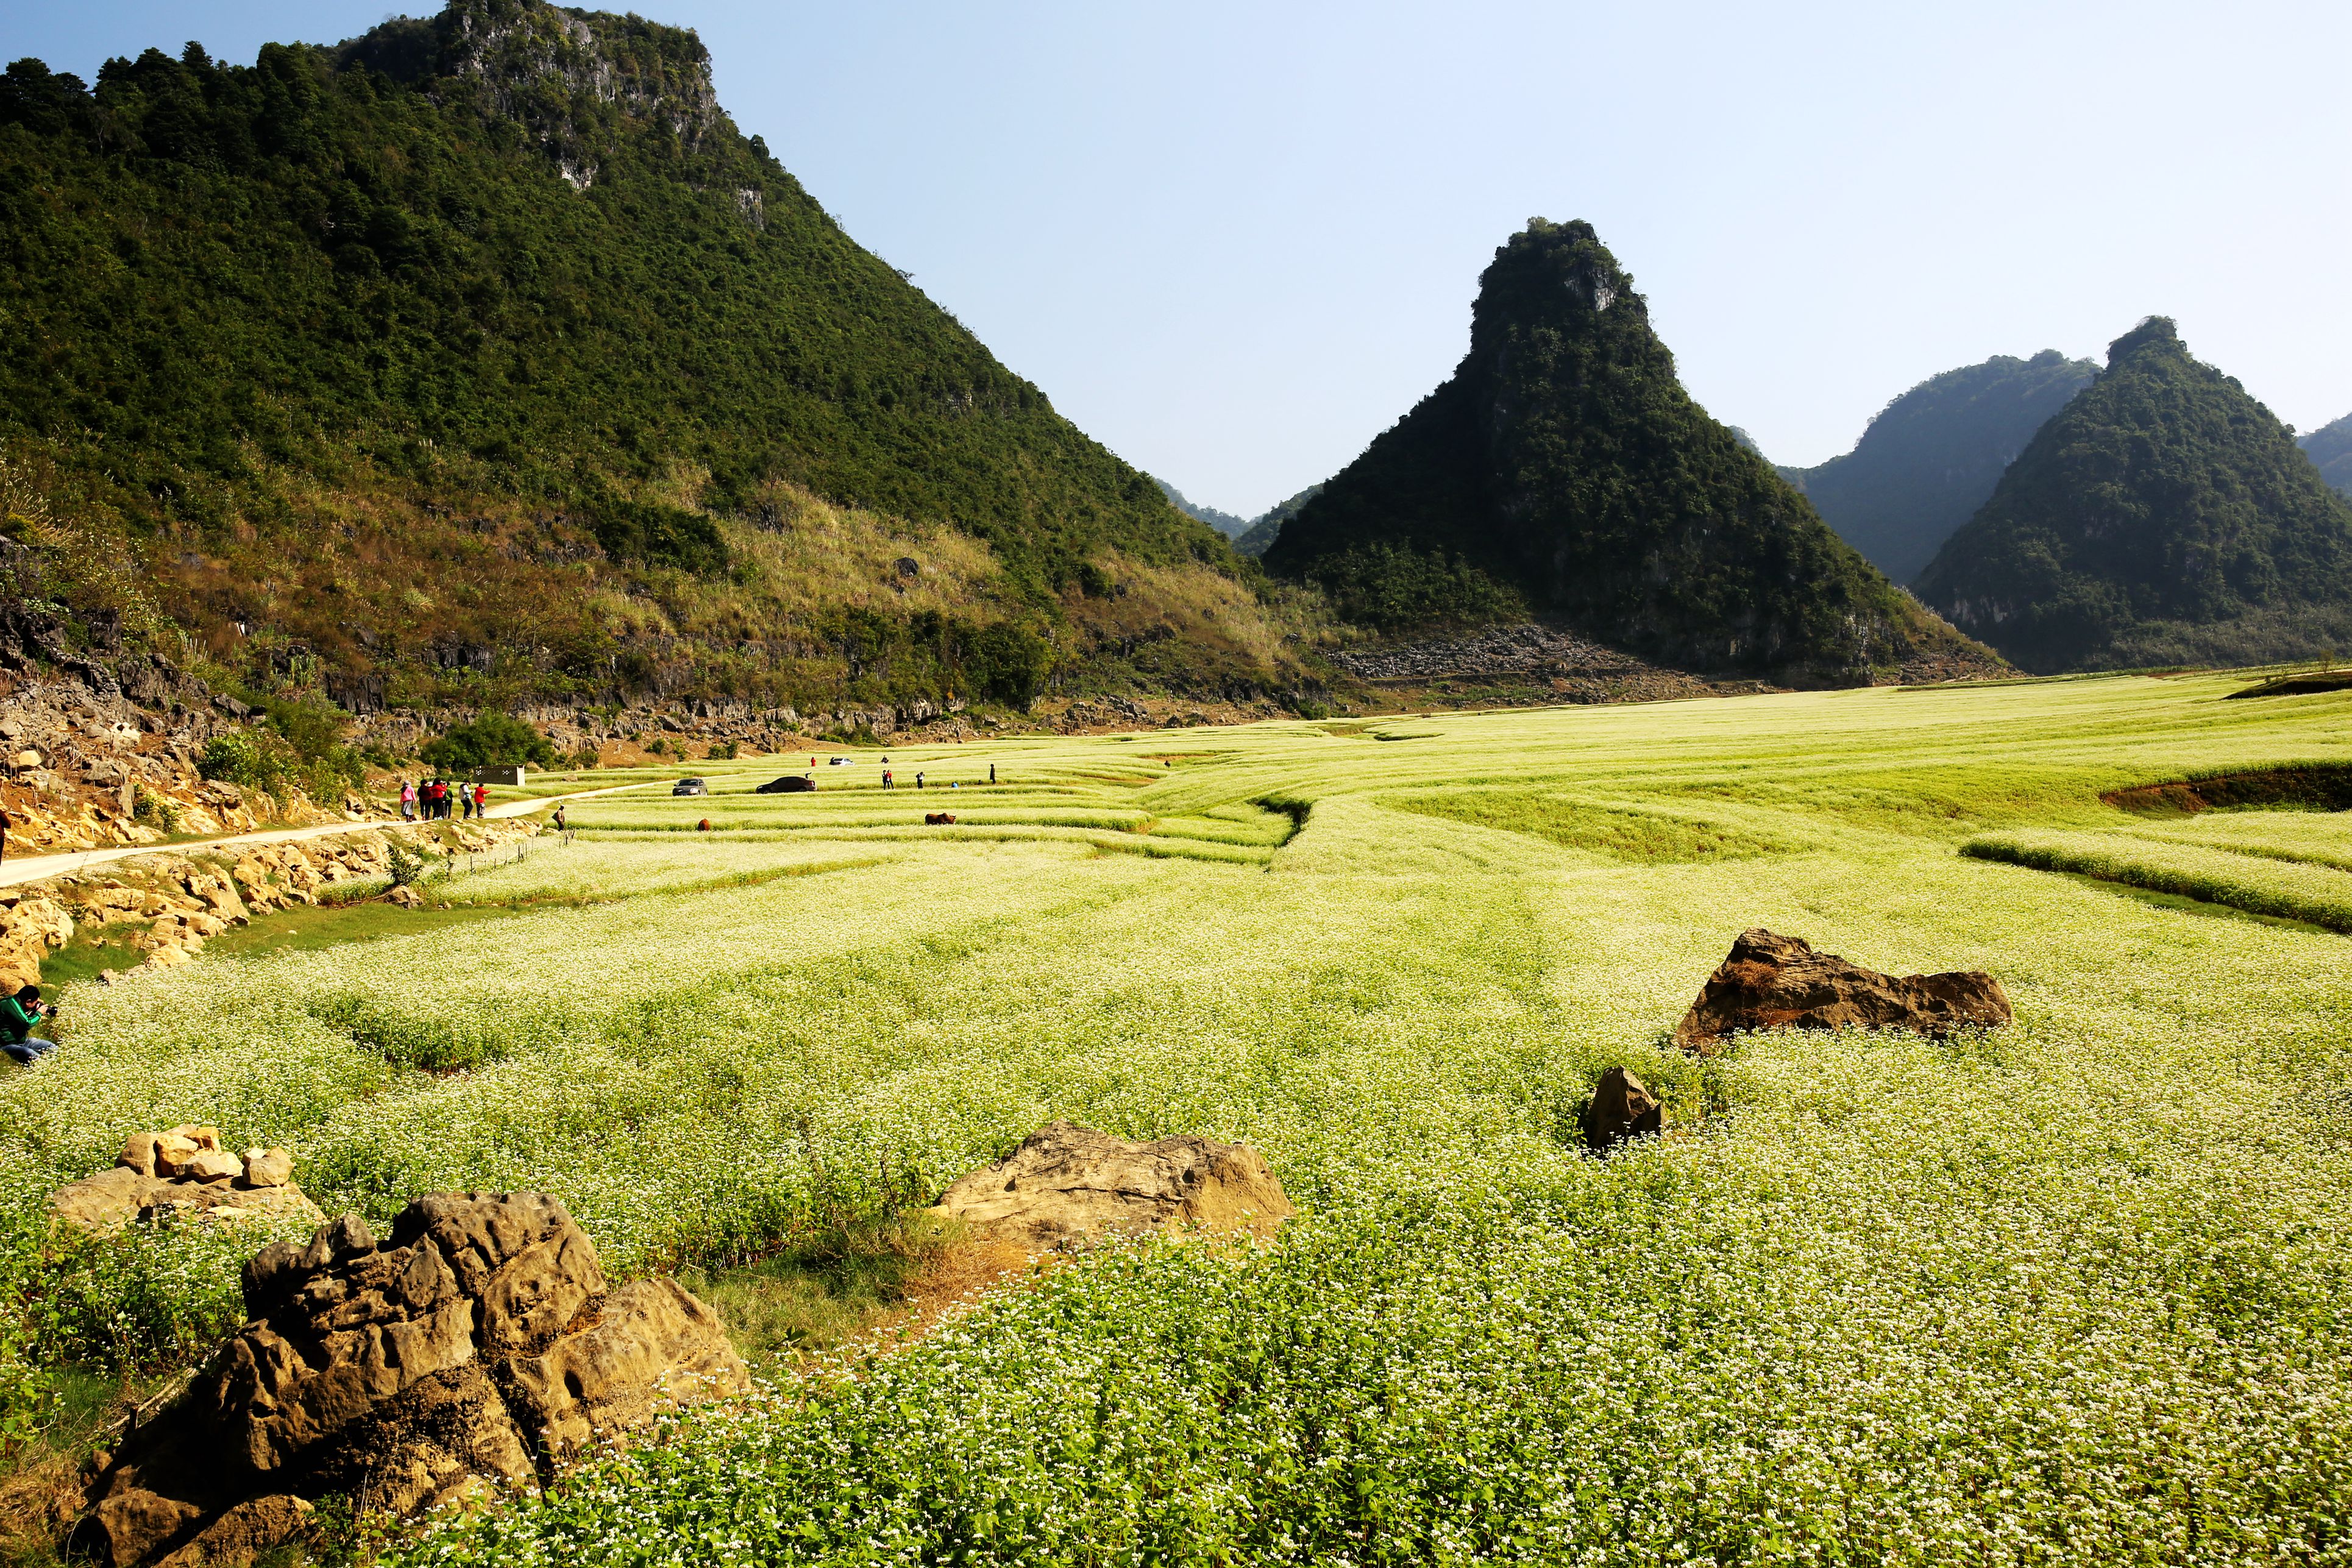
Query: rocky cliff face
[[574, 79]]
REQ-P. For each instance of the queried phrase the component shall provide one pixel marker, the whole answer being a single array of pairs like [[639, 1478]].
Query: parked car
[[789, 784], [841, 762], [690, 787]]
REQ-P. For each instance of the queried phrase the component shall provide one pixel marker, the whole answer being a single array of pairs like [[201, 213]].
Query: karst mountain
[[1932, 456], [2163, 516], [1564, 471], [505, 286]]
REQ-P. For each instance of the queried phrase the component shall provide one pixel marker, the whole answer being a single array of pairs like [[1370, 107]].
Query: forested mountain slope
[[2330, 447], [2162, 517], [1267, 526], [1932, 456], [507, 283], [1564, 470]]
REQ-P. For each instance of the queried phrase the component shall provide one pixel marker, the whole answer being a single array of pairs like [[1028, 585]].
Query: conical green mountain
[[1932, 456], [1564, 470], [2162, 517], [512, 266]]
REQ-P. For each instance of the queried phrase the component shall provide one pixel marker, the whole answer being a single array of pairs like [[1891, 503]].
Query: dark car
[[690, 787], [789, 784]]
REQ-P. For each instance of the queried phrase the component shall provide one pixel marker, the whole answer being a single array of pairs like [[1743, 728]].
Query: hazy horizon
[[1234, 245]]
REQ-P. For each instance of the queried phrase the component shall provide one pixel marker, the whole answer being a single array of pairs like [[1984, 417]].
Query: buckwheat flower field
[[2073, 1291]]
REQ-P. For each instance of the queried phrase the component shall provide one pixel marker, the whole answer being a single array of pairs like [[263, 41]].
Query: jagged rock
[[215, 1165], [475, 1346], [1770, 981], [176, 1150], [267, 1168], [1623, 1107], [138, 1154], [1070, 1184]]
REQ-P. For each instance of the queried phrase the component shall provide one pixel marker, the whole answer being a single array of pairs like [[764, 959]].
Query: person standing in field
[[559, 816], [885, 778], [481, 800], [407, 801], [919, 779], [465, 803], [992, 773]]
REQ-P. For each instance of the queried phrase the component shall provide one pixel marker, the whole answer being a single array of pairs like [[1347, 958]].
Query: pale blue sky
[[1235, 241]]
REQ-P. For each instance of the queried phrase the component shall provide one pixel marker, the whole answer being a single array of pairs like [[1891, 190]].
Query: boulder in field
[[1068, 1184], [1770, 981], [179, 1176], [475, 1346], [1623, 1107]]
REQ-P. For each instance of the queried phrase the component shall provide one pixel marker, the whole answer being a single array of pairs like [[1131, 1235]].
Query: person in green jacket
[[19, 1016]]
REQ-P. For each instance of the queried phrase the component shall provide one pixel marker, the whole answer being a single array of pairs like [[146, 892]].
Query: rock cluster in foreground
[[478, 1346], [184, 1174], [1068, 1184], [1770, 981]]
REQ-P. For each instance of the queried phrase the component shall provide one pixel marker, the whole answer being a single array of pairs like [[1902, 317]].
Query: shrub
[[249, 760], [492, 739]]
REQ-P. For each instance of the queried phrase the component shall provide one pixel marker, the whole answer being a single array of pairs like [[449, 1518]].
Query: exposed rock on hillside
[[184, 1174], [1069, 1184], [478, 1346], [1574, 669], [2162, 517], [1564, 468], [1770, 981]]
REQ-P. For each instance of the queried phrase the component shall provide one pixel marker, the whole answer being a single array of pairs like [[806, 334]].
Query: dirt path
[[33, 868]]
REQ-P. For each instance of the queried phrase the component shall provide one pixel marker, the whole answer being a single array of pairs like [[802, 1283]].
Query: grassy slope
[[2072, 1293]]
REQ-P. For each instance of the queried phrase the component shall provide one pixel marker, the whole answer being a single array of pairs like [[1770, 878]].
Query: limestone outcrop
[[478, 1346], [184, 1176], [1770, 981], [1068, 1185]]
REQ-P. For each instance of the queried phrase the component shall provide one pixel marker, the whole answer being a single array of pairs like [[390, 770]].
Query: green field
[[2072, 1292]]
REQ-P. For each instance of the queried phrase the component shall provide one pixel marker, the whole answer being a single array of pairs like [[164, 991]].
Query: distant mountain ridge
[[1563, 470], [1932, 456], [1225, 523], [2330, 448], [1250, 536], [2162, 517]]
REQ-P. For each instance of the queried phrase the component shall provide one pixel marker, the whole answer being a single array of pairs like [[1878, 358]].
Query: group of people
[[888, 782], [431, 801]]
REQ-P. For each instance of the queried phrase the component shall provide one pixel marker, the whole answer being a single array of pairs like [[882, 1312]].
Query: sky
[[1234, 242]]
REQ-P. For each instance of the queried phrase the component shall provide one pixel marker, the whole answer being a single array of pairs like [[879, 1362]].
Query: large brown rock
[[474, 1347], [1772, 981], [1069, 1183]]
